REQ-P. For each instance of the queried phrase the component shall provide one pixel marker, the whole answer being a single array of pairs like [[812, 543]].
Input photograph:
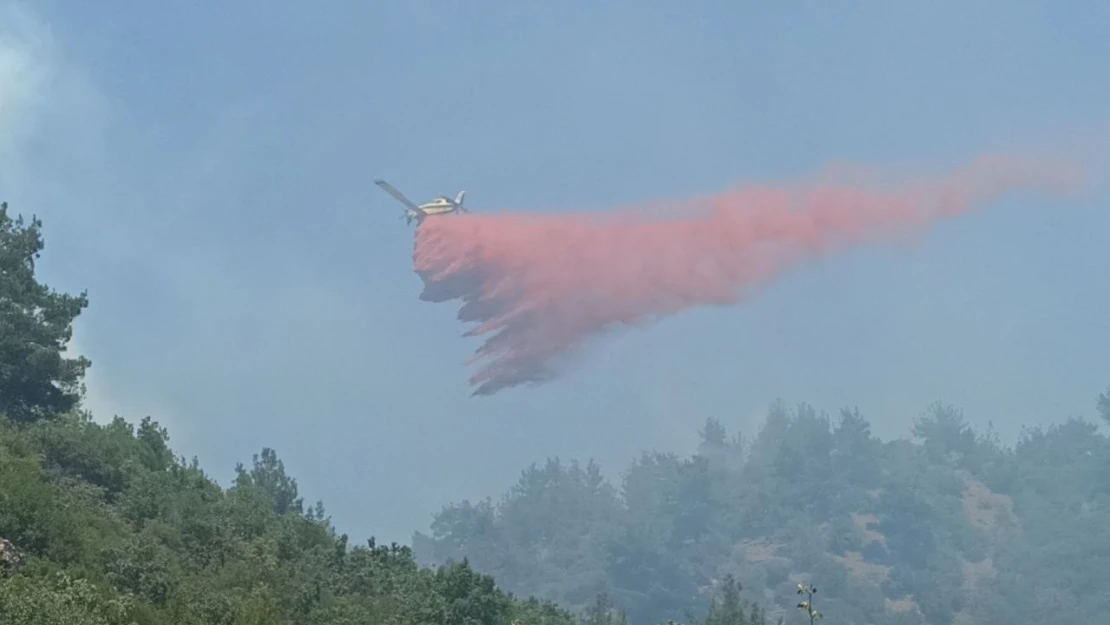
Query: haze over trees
[[946, 527]]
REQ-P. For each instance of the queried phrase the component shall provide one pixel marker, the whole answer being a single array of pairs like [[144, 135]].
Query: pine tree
[[36, 323]]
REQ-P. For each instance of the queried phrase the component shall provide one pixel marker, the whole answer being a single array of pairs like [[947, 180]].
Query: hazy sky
[[206, 173]]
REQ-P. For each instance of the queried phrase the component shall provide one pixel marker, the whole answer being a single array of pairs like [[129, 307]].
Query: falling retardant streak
[[538, 286]]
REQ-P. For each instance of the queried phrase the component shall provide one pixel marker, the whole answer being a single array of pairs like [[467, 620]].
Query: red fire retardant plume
[[540, 285]]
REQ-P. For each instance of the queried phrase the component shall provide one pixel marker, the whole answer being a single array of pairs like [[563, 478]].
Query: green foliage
[[117, 531], [268, 479], [36, 380], [949, 526], [58, 599]]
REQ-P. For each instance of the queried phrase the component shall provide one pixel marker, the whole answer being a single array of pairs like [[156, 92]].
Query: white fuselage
[[438, 206]]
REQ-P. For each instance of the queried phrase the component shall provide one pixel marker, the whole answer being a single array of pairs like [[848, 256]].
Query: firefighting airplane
[[442, 205]]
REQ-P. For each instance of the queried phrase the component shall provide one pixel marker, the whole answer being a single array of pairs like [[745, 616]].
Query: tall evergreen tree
[[36, 323]]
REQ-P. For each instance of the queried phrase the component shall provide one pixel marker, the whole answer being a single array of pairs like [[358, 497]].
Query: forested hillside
[[105, 525], [949, 526]]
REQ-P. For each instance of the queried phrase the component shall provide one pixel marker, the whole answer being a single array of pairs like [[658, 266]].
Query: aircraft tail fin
[[459, 199]]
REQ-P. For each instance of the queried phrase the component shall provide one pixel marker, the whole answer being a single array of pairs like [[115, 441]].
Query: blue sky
[[205, 171]]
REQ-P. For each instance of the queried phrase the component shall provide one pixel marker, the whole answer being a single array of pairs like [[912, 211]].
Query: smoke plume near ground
[[538, 286]]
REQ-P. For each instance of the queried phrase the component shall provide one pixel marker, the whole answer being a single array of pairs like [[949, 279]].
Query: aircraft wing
[[400, 197]]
